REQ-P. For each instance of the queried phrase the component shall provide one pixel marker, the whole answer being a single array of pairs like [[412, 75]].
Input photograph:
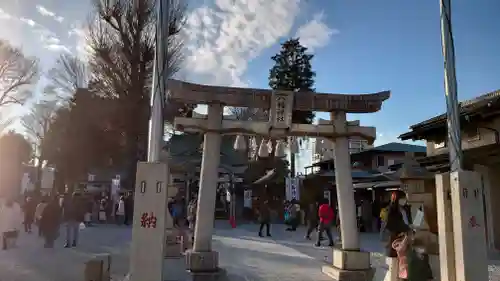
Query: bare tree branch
[[69, 74], [37, 121], [4, 123], [16, 72]]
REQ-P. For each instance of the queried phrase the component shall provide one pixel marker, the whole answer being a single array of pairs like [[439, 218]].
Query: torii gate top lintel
[[190, 93]]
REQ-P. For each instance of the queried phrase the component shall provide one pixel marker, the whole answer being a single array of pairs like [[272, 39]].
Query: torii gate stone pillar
[[349, 262]]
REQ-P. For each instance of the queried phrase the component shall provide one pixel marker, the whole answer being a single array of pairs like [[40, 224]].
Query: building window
[[390, 162], [380, 161]]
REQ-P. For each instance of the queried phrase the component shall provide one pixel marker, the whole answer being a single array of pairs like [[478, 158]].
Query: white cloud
[[4, 15], [29, 22], [57, 48], [79, 33], [220, 41], [315, 33], [47, 13]]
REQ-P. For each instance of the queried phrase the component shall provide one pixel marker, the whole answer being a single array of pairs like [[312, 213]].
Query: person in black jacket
[[74, 213], [265, 218], [50, 221], [398, 222], [312, 219]]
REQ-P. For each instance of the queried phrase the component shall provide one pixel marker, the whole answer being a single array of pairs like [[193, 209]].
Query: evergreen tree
[[292, 71]]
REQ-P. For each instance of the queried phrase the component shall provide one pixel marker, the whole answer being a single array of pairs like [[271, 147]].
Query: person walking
[[74, 211], [129, 202], [293, 211], [265, 218], [29, 213], [50, 222], [38, 213], [11, 218], [312, 219], [383, 221], [120, 211], [326, 218]]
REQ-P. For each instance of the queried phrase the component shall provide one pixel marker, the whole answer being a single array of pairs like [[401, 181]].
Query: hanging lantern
[[270, 146], [263, 150], [280, 149], [294, 146], [239, 143], [254, 144]]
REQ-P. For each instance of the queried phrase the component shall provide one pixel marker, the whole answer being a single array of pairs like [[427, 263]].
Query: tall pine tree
[[292, 71]]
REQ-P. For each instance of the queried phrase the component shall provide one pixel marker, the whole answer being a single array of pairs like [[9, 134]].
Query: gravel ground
[[244, 255]]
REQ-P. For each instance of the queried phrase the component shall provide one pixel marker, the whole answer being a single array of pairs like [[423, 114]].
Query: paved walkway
[[245, 256]]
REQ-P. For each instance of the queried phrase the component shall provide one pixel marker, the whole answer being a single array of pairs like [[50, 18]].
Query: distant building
[[323, 148], [372, 172]]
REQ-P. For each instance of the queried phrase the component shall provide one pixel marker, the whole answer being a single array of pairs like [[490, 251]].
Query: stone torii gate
[[349, 262]]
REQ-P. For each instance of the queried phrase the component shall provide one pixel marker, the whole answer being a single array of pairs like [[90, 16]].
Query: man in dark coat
[[312, 219], [74, 213], [50, 221], [29, 213], [265, 218]]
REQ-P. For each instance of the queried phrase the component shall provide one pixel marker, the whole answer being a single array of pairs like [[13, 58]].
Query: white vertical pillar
[[468, 226], [445, 228], [343, 178], [208, 181]]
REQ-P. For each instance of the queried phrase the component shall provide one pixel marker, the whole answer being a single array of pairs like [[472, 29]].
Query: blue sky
[[359, 46]]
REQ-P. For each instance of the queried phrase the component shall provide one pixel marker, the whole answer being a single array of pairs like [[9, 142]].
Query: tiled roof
[[398, 147], [470, 107]]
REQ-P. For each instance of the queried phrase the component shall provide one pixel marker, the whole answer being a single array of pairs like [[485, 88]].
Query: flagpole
[[450, 84], [159, 83]]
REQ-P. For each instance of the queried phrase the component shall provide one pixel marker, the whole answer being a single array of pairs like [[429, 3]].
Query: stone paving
[[244, 255]]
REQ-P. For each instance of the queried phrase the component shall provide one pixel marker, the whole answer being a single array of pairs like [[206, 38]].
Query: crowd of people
[[319, 216], [72, 211]]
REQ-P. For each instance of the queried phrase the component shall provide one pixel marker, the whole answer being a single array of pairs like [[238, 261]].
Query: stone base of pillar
[[173, 247], [350, 266], [204, 266], [98, 268]]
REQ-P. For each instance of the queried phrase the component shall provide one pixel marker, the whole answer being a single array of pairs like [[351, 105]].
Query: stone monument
[[350, 263], [462, 239], [150, 222]]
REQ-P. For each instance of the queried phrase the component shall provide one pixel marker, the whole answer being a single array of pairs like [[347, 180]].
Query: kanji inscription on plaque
[[148, 220], [473, 222]]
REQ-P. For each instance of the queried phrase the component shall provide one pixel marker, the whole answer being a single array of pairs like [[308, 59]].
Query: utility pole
[[450, 85], [159, 88], [462, 239]]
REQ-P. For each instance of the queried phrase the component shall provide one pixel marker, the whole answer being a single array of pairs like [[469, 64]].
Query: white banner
[[327, 194], [247, 200], [292, 190]]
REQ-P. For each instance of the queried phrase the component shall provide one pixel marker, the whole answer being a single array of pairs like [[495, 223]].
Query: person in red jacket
[[326, 219]]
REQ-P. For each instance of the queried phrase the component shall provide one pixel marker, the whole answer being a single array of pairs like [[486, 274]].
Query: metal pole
[[159, 87], [450, 85]]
